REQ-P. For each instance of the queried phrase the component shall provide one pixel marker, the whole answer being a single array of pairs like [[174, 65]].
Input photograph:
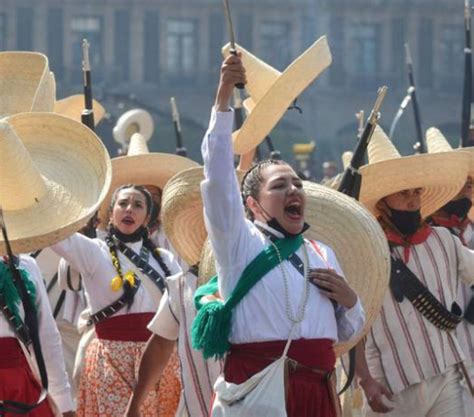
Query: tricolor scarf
[[10, 292], [211, 327]]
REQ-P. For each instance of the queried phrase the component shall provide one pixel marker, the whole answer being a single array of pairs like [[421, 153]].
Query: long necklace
[[298, 318]]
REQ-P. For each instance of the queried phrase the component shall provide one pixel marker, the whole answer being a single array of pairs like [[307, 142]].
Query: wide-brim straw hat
[[141, 167], [27, 85], [355, 237], [436, 142], [441, 175], [73, 106], [272, 92], [54, 173], [182, 213]]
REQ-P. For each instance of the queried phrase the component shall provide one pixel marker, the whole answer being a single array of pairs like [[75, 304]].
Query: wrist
[[365, 381]]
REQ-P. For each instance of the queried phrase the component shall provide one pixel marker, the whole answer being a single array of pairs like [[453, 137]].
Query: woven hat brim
[[440, 175], [76, 168], [73, 106], [357, 240], [182, 213], [147, 169], [273, 105]]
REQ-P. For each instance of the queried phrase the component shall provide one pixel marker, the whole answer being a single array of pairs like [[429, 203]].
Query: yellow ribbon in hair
[[117, 282]]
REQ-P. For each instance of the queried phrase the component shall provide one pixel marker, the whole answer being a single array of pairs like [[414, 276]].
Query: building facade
[[149, 50]]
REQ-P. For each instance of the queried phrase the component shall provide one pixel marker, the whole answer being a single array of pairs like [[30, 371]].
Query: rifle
[[351, 179], [274, 154], [230, 30], [467, 122], [350, 185], [87, 116], [31, 325], [420, 145], [180, 149], [239, 113]]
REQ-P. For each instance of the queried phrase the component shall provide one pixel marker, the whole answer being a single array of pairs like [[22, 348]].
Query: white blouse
[[91, 258], [51, 346], [236, 241]]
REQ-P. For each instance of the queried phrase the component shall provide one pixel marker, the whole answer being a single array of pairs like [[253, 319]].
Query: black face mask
[[274, 224], [459, 208], [407, 222], [139, 234]]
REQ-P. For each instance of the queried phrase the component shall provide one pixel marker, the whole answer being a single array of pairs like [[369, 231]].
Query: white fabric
[[403, 348], [91, 258], [439, 396], [262, 395], [236, 242], [59, 387], [173, 321], [160, 239]]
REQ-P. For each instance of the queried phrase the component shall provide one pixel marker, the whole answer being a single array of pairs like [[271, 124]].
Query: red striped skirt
[[309, 394], [17, 382]]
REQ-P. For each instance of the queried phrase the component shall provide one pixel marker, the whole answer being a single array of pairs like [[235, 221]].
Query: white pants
[[440, 396]]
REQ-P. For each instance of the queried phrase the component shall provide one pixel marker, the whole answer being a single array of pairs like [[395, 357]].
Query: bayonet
[[230, 31], [87, 116], [180, 149]]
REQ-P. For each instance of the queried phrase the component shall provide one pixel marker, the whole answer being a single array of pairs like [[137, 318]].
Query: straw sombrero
[[357, 240], [27, 85], [141, 167], [437, 143], [272, 92], [54, 173], [182, 213], [440, 175], [73, 106]]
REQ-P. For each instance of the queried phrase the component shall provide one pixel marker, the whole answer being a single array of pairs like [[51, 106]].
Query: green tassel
[[10, 292], [211, 329]]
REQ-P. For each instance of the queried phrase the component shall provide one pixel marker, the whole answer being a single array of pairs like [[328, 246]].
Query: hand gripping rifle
[[230, 30], [351, 179], [467, 124], [87, 116], [180, 149], [31, 324]]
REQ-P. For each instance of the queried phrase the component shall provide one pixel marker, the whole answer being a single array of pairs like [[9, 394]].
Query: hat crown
[[21, 184], [26, 83], [436, 142], [260, 75], [346, 158], [381, 147], [137, 145]]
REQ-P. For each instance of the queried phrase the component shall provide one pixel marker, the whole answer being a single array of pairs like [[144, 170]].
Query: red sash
[[17, 382], [308, 392], [125, 328]]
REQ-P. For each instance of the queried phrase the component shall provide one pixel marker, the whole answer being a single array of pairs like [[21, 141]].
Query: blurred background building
[[144, 51]]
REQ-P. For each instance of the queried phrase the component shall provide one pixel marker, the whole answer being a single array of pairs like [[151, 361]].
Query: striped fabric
[[403, 348], [197, 374]]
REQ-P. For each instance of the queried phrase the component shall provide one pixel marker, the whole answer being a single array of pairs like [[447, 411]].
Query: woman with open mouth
[[124, 279], [282, 305]]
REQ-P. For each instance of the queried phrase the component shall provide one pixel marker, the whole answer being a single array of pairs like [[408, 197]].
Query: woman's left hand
[[333, 286]]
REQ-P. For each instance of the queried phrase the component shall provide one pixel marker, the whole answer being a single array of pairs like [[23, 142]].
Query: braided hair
[[252, 182]]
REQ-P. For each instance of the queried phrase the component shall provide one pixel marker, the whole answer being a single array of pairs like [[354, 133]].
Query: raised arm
[[223, 207]]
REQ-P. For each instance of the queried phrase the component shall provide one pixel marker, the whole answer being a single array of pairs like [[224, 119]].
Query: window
[[365, 53], [275, 44], [90, 28], [181, 47]]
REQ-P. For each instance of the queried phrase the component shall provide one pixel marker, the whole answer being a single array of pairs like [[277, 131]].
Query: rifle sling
[[404, 283], [31, 323]]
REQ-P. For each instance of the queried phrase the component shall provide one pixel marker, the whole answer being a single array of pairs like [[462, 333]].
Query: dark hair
[[252, 181], [140, 188]]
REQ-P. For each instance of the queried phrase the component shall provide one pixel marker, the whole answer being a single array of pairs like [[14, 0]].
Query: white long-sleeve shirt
[[236, 241], [59, 387], [91, 258]]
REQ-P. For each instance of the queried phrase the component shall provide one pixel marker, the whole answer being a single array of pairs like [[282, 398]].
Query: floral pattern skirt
[[109, 374]]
